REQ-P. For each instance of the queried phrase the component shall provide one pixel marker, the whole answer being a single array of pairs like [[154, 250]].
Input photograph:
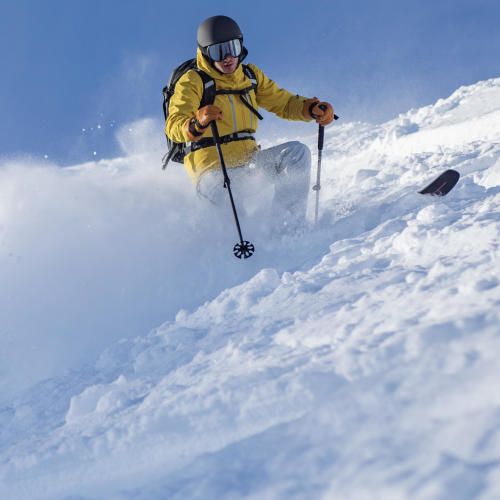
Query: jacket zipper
[[251, 114], [234, 112]]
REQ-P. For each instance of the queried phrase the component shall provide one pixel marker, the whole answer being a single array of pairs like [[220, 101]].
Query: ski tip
[[443, 184]]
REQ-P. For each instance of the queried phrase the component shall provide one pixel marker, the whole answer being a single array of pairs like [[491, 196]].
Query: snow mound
[[364, 360]]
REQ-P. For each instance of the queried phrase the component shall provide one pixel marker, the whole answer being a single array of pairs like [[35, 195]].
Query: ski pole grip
[[323, 107]]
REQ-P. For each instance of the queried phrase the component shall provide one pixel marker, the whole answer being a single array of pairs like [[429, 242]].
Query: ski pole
[[244, 248], [317, 186]]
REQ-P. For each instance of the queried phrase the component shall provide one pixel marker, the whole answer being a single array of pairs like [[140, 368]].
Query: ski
[[443, 184]]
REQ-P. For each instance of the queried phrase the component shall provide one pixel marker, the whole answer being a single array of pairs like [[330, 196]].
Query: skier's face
[[227, 65]]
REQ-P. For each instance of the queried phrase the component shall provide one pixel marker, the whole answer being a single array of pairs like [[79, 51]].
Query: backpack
[[178, 150]]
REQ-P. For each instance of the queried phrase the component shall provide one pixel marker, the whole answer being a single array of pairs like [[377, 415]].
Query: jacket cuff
[[191, 131]]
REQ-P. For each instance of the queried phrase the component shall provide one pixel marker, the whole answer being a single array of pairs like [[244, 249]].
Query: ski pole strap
[[167, 157], [206, 142]]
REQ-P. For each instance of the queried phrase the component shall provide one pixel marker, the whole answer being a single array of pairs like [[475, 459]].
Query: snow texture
[[357, 361]]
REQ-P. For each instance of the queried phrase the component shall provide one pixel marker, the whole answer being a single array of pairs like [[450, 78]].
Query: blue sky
[[73, 72]]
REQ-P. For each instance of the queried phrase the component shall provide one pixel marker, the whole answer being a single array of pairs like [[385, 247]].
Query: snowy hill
[[357, 362]]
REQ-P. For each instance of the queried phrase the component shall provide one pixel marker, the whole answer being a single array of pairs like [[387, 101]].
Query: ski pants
[[287, 167]]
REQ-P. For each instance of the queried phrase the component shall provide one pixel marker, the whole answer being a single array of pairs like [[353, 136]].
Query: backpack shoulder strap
[[209, 89], [250, 73]]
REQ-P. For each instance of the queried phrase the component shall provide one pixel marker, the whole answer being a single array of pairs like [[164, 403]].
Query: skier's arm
[[183, 107], [277, 100]]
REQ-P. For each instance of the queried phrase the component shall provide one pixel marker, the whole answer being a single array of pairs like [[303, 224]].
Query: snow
[[141, 360]]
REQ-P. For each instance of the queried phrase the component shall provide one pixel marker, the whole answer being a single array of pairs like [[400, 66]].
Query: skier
[[241, 89]]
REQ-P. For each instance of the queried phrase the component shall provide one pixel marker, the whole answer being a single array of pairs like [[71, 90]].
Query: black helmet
[[217, 29]]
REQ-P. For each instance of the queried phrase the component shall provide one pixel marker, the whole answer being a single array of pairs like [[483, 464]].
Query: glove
[[206, 115], [197, 125], [312, 111]]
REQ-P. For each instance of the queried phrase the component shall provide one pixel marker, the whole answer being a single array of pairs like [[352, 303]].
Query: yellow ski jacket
[[236, 116]]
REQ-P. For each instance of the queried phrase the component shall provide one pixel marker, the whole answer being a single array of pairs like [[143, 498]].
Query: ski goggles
[[219, 51]]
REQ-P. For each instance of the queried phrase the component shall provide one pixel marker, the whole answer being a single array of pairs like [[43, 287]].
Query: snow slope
[[357, 362]]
